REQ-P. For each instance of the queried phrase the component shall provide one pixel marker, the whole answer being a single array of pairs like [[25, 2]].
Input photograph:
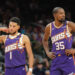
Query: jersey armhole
[[21, 39], [68, 28], [50, 29]]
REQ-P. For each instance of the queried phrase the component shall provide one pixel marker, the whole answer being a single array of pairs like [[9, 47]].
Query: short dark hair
[[55, 10], [16, 20]]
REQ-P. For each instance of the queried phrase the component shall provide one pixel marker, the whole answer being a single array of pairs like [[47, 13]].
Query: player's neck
[[57, 23], [14, 34]]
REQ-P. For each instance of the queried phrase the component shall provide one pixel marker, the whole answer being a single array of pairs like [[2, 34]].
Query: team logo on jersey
[[14, 46], [60, 36]]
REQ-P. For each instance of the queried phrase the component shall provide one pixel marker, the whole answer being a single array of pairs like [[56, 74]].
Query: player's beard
[[12, 33], [62, 20]]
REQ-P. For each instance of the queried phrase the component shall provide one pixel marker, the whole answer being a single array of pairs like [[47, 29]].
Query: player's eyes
[[11, 26]]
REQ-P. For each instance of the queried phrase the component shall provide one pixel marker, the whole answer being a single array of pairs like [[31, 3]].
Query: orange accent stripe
[[22, 51], [16, 44], [68, 30], [65, 34], [73, 58]]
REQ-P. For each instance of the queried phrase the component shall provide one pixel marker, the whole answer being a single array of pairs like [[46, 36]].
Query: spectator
[[23, 30], [39, 69]]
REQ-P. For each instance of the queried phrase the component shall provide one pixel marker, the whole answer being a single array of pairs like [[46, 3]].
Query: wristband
[[30, 69]]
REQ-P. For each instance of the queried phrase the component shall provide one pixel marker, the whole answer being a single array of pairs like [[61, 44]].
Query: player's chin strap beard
[[12, 33], [62, 21]]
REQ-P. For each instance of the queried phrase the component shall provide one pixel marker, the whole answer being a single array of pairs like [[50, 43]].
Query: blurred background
[[34, 15]]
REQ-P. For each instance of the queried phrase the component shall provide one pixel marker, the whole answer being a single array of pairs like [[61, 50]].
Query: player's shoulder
[[69, 22], [25, 37], [48, 26]]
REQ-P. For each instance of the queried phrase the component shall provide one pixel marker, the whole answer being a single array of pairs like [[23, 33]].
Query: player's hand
[[6, 30], [69, 52], [51, 55], [29, 73]]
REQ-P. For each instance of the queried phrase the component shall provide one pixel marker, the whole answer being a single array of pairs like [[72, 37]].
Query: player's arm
[[29, 51], [45, 42], [2, 38], [71, 26], [45, 39]]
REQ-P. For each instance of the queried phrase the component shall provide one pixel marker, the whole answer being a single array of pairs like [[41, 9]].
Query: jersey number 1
[[10, 55]]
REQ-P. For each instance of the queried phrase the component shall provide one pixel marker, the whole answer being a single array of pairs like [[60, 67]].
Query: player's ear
[[18, 27]]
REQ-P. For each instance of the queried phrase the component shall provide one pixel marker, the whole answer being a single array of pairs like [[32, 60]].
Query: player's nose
[[11, 27], [63, 15]]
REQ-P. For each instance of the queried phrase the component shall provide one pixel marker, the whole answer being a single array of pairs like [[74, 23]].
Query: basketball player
[[60, 32], [16, 45]]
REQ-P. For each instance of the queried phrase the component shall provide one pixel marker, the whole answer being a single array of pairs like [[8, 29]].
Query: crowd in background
[[34, 17]]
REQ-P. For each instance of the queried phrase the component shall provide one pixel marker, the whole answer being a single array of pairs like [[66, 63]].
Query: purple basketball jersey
[[14, 52], [15, 71], [61, 40]]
